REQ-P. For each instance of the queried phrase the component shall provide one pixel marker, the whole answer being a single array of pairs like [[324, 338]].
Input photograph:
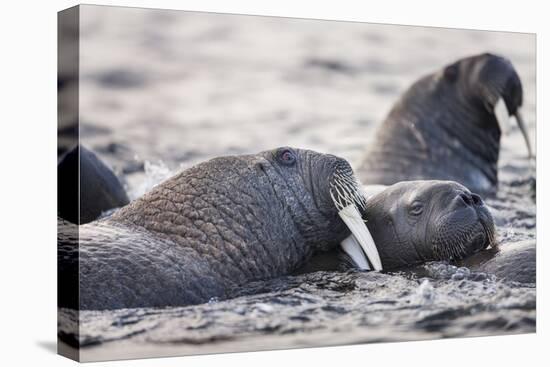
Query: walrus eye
[[287, 157], [416, 208], [451, 72]]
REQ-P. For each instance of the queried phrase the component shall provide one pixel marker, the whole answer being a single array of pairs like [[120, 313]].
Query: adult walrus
[[213, 227], [413, 222], [447, 126]]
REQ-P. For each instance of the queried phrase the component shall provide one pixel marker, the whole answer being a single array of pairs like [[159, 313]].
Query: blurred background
[[162, 90]]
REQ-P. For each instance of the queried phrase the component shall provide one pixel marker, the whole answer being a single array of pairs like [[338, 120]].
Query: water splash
[[425, 293], [154, 174]]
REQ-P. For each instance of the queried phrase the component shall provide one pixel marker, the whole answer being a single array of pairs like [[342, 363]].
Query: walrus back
[[121, 266]]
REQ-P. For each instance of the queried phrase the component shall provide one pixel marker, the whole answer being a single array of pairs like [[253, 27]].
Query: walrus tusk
[[353, 249], [502, 116], [503, 119], [524, 131], [352, 218]]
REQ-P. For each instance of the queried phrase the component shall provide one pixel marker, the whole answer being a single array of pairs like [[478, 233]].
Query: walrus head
[[448, 126], [322, 194], [490, 84], [276, 207], [418, 221]]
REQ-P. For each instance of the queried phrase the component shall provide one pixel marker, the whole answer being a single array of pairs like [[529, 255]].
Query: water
[[317, 309], [161, 91]]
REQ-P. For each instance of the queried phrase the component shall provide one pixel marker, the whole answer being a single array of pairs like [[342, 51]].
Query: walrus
[[515, 262], [213, 227], [453, 225], [414, 222], [87, 187], [448, 125]]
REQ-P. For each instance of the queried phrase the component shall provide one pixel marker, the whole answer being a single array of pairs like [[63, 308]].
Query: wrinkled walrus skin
[[208, 229], [444, 127]]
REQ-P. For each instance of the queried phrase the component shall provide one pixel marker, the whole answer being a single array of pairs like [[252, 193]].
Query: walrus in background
[[448, 125], [86, 187], [213, 227]]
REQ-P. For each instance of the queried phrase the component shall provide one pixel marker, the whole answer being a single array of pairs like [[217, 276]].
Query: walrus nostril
[[451, 72], [466, 198], [477, 199]]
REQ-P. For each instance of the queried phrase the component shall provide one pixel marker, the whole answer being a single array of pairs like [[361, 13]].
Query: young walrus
[[213, 227], [413, 222]]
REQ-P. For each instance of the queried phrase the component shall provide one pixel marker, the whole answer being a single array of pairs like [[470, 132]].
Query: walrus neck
[[479, 140], [409, 136]]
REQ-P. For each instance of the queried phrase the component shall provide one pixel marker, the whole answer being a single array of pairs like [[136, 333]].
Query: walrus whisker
[[352, 188], [346, 179], [336, 202], [456, 248], [345, 191], [348, 194], [490, 235], [350, 181], [341, 201]]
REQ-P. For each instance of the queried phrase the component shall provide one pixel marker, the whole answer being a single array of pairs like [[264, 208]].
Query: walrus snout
[[334, 197], [321, 172], [468, 198], [467, 227], [486, 236], [499, 79], [349, 199], [344, 187]]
